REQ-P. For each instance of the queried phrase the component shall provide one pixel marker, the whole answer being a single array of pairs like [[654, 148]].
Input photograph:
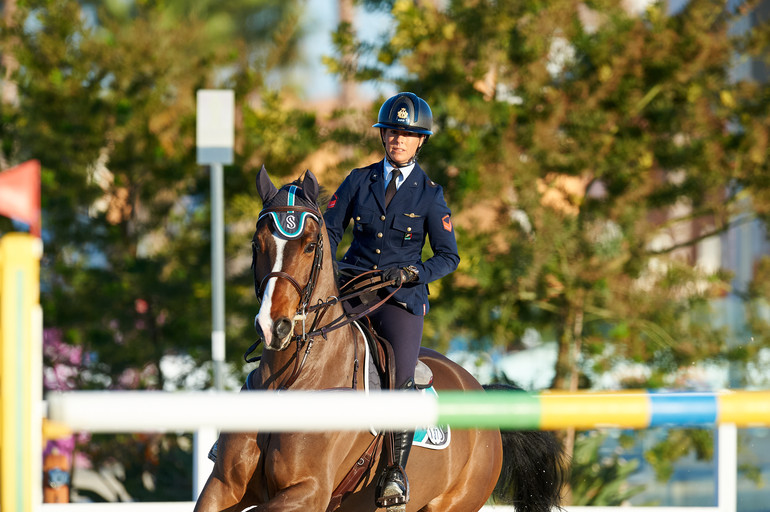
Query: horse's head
[[287, 250]]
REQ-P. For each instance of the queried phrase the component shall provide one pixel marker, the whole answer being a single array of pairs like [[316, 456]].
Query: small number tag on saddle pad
[[435, 437]]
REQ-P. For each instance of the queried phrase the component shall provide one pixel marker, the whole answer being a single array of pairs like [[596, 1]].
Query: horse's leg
[[302, 469], [237, 459]]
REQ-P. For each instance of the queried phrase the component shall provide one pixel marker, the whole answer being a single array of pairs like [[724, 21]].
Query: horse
[[311, 344]]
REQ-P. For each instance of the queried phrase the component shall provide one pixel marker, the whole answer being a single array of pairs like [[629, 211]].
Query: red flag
[[20, 194]]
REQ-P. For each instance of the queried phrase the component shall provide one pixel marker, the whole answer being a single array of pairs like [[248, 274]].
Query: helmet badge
[[403, 115]]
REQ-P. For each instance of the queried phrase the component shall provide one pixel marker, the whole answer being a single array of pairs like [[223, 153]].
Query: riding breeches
[[404, 332]]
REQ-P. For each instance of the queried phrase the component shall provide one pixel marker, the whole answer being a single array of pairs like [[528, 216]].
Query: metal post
[[214, 138], [217, 274], [727, 468], [203, 440]]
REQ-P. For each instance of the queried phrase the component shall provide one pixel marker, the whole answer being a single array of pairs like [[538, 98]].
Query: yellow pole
[[20, 373]]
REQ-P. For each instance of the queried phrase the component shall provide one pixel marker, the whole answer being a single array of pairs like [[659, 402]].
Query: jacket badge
[[447, 222]]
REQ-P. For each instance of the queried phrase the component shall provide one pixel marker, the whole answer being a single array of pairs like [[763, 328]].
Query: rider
[[390, 236]]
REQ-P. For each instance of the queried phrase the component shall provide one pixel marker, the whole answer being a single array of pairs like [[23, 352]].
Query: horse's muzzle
[[282, 331]]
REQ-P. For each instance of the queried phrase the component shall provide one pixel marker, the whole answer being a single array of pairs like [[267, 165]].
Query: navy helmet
[[407, 112]]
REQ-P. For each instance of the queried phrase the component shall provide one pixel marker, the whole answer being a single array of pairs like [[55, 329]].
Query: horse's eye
[[310, 247]]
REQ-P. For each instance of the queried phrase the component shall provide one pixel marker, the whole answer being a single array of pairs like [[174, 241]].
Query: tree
[[586, 151], [105, 99], [584, 159]]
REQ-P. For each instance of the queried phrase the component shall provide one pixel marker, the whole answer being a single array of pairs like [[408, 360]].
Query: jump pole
[[309, 411], [135, 411], [21, 364]]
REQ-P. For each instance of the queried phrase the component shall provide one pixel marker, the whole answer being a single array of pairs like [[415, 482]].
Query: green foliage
[[677, 444], [600, 481], [583, 150], [105, 97]]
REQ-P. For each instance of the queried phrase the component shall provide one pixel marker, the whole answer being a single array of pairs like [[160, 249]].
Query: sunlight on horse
[[310, 345]]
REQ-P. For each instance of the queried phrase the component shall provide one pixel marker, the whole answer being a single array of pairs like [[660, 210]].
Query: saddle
[[384, 364]]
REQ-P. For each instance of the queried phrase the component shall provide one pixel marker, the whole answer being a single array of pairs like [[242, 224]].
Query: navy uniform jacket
[[394, 238]]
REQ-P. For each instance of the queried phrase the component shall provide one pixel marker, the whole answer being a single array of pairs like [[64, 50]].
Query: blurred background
[[606, 163]]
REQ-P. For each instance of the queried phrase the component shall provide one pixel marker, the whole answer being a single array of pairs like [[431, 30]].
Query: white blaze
[[264, 319]]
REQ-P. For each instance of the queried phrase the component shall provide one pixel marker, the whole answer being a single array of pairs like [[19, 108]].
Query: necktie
[[391, 190]]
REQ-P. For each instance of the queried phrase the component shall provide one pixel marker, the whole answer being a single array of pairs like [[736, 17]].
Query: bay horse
[[308, 347]]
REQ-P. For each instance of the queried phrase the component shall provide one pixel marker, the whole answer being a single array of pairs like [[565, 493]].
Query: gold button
[[382, 217], [377, 251], [374, 267], [408, 229], [358, 218], [379, 235]]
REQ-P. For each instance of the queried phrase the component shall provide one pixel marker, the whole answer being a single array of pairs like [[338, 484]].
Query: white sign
[[214, 127]]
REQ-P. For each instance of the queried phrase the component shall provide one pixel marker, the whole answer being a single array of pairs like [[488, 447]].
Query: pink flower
[[141, 306]]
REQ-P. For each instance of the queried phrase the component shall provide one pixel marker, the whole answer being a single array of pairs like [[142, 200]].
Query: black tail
[[534, 468]]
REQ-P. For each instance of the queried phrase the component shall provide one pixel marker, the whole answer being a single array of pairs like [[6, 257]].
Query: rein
[[359, 288]]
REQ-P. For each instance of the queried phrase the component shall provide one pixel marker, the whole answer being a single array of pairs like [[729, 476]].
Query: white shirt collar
[[405, 171]]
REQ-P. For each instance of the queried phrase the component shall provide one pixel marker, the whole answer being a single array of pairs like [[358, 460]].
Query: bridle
[[364, 283]]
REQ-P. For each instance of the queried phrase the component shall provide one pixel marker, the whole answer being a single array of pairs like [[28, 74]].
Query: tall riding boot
[[394, 487]]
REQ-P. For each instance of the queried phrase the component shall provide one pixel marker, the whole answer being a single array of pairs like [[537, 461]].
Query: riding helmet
[[406, 111]]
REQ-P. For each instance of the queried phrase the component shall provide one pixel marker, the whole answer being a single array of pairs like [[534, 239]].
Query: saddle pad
[[433, 437]]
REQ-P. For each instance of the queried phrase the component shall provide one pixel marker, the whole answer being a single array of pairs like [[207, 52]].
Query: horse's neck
[[330, 363]]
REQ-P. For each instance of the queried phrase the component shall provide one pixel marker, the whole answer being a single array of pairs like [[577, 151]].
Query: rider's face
[[400, 145]]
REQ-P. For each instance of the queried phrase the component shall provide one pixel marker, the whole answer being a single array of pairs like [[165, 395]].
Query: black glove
[[400, 276]]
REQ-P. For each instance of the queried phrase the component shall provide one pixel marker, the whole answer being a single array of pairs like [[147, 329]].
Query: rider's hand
[[393, 274], [400, 276]]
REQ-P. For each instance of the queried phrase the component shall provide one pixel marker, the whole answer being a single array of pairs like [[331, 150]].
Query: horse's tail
[[534, 468]]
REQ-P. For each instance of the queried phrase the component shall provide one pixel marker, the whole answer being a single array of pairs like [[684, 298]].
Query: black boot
[[393, 489], [394, 486]]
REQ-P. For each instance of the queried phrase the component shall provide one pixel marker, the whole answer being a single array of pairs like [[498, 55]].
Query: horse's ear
[[265, 187], [310, 186]]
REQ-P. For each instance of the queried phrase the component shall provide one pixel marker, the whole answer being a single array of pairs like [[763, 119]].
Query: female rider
[[395, 207]]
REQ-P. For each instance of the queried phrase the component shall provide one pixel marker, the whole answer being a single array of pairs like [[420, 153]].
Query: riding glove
[[400, 276]]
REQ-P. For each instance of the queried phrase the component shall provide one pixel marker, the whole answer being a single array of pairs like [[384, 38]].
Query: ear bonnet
[[289, 224]]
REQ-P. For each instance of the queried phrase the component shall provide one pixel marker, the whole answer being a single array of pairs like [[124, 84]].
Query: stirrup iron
[[394, 490]]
